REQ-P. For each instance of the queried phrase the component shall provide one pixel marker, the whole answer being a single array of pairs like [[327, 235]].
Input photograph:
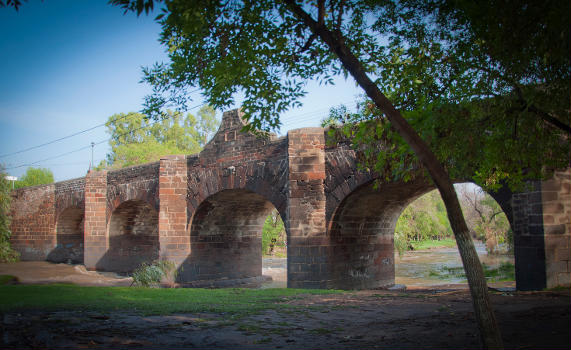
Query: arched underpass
[[226, 237], [133, 237], [69, 237], [361, 234]]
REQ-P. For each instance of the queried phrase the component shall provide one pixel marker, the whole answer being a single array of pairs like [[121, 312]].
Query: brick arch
[[133, 236], [226, 236], [360, 233], [133, 193], [69, 236], [209, 182]]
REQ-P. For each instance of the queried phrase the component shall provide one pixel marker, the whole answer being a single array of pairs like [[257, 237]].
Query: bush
[[7, 254], [151, 274]]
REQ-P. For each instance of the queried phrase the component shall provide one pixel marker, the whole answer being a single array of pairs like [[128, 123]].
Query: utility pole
[[92, 146]]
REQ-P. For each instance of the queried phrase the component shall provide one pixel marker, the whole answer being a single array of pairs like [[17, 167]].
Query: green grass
[[429, 244], [504, 272], [4, 279], [146, 300]]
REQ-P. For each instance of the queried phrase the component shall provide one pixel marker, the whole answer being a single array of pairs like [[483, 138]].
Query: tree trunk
[[489, 331]]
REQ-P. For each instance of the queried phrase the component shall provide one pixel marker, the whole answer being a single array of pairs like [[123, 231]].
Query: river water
[[422, 268]]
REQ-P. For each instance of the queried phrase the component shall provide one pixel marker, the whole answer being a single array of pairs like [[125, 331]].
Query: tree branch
[[550, 119], [320, 12]]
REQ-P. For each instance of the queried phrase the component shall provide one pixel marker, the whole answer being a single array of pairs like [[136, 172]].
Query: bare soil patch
[[422, 319]]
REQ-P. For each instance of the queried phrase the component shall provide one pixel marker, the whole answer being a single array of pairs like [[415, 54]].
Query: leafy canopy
[[487, 90], [135, 139], [35, 176], [255, 49], [486, 84]]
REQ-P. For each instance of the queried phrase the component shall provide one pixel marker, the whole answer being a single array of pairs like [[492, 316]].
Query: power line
[[94, 143], [291, 121], [69, 136]]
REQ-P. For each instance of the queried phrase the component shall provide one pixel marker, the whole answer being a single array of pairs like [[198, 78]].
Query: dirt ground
[[416, 319]]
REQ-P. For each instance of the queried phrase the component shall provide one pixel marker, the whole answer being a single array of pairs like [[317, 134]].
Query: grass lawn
[[428, 244], [145, 300]]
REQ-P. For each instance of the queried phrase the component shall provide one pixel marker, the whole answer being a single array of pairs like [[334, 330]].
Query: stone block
[[555, 229]]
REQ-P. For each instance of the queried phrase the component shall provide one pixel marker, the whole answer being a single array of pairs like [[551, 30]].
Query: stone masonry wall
[[174, 240], [33, 221], [556, 203], [308, 245], [529, 243]]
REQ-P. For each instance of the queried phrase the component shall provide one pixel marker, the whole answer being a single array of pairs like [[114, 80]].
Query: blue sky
[[68, 65]]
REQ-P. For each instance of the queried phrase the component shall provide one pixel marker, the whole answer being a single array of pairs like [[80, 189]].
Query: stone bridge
[[205, 212]]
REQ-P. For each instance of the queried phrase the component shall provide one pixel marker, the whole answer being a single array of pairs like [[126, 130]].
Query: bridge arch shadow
[[69, 237], [361, 232], [226, 237], [133, 237]]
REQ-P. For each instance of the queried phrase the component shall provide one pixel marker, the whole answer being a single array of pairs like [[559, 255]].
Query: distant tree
[[273, 232], [136, 139], [6, 252], [486, 218], [35, 176]]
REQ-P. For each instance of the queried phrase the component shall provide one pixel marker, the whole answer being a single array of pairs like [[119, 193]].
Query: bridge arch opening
[[226, 236], [361, 234], [69, 237], [425, 247], [133, 237]]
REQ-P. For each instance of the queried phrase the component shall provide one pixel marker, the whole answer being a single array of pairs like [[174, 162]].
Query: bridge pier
[[542, 235], [95, 221], [308, 244]]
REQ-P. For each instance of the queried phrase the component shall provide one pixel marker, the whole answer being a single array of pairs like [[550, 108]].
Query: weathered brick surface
[[132, 237], [33, 221], [95, 221], [173, 237], [556, 203], [232, 185], [308, 246], [206, 212], [361, 221]]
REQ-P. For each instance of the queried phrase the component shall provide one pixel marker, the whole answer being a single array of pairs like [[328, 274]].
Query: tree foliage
[[273, 233], [423, 219], [486, 219], [35, 176], [136, 139], [6, 252], [426, 219], [488, 91]]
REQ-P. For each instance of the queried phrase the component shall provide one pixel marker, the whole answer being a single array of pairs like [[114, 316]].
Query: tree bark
[[489, 330]]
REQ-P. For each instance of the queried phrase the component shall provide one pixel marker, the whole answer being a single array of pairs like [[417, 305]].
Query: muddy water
[[413, 269], [439, 266], [422, 268]]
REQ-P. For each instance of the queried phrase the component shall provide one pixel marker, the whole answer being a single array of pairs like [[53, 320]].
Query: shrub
[[151, 274]]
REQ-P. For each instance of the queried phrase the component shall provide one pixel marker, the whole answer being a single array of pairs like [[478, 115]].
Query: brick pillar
[[556, 203], [95, 223], [308, 245], [529, 244], [174, 240]]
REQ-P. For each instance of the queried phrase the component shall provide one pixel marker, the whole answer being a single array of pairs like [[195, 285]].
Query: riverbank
[[422, 319]]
